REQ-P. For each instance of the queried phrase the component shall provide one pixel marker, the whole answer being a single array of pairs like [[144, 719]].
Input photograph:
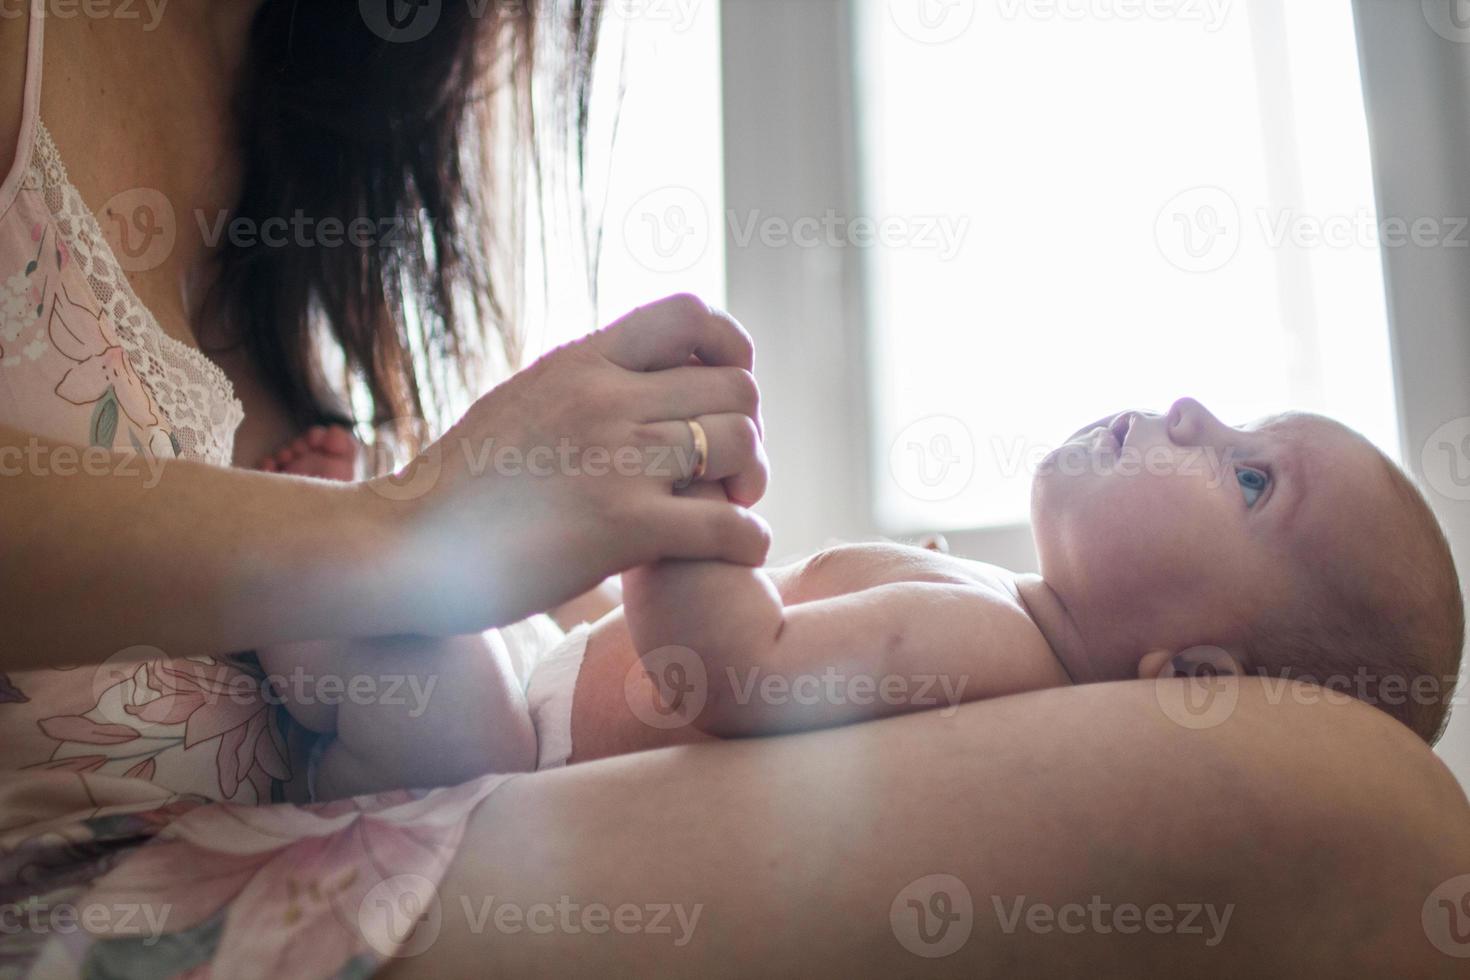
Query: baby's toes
[[333, 440]]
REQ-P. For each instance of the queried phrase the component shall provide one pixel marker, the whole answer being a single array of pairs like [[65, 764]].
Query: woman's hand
[[565, 474]]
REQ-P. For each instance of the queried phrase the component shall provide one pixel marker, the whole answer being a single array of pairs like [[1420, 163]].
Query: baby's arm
[[885, 650]]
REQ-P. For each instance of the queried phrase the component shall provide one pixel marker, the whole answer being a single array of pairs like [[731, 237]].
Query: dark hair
[[431, 136]]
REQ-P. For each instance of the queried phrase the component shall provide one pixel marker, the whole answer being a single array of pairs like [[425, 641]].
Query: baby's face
[[1170, 531]]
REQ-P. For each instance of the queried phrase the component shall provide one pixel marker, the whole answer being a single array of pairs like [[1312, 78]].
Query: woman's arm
[[531, 498], [1323, 829], [181, 556]]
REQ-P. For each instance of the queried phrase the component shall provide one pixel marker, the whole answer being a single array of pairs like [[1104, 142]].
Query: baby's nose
[[1187, 420], [1182, 409]]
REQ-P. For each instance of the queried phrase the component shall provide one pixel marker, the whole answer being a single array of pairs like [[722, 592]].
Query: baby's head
[[1291, 543]]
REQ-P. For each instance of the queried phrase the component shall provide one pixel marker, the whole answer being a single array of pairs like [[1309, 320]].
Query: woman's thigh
[[1068, 831]]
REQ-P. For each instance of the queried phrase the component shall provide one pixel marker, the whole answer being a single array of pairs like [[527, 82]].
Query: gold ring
[[701, 454]]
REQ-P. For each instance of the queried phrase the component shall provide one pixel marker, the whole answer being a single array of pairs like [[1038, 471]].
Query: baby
[[1168, 544]]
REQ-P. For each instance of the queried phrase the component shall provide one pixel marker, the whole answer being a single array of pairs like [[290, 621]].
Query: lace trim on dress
[[193, 392]]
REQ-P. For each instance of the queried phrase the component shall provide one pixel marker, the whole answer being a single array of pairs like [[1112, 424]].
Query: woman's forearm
[[102, 552]]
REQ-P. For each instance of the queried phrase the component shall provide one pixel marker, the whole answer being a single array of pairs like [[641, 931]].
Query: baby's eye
[[1252, 483]]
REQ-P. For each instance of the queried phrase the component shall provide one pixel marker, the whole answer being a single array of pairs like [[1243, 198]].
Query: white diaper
[[549, 694]]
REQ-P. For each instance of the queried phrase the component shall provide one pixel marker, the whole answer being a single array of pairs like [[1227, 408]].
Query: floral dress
[[143, 823]]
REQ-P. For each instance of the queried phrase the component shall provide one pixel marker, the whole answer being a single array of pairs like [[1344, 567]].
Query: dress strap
[[31, 113]]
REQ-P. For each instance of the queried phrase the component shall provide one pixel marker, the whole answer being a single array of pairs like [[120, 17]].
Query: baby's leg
[[399, 712], [420, 712]]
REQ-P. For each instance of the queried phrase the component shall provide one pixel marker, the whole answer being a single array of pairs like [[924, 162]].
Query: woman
[[148, 574]]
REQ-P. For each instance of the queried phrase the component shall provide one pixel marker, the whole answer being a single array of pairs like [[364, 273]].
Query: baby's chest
[[846, 569]]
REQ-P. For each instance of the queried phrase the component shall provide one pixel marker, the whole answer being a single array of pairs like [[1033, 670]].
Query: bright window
[[654, 172], [1084, 206]]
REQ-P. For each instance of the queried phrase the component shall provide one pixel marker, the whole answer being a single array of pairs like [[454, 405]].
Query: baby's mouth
[[1088, 430]]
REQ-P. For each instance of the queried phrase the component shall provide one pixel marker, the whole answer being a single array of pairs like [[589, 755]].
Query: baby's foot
[[327, 452]]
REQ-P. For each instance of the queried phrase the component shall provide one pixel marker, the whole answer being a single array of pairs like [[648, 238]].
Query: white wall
[[1417, 87]]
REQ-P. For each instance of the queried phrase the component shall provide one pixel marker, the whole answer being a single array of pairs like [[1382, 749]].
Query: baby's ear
[[1201, 661]]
